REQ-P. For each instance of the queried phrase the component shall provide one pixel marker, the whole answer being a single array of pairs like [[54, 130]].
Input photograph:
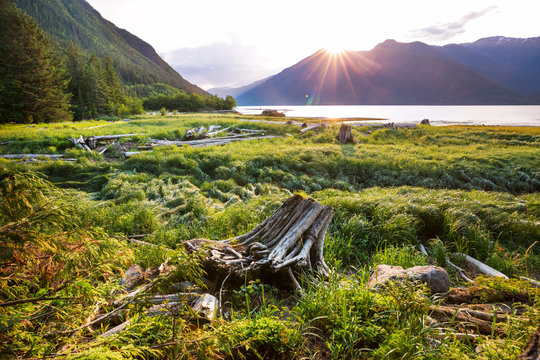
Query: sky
[[216, 43]]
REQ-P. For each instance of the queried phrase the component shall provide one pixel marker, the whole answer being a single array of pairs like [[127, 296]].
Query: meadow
[[64, 225]]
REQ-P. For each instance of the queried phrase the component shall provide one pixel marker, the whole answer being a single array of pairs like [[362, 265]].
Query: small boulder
[[434, 277], [425, 122], [206, 306], [133, 277]]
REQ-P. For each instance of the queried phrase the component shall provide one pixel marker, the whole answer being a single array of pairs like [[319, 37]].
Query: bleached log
[[216, 130], [115, 330], [480, 266], [533, 282], [32, 156], [321, 125]]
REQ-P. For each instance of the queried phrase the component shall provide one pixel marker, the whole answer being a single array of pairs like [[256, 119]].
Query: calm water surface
[[437, 115]]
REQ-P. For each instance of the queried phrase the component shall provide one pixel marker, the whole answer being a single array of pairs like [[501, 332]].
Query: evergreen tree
[[31, 82]]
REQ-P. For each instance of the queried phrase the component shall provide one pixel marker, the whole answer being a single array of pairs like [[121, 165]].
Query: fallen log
[[290, 241], [92, 141], [465, 317], [32, 156], [480, 266]]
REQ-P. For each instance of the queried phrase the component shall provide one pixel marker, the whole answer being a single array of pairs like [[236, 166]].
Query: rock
[[425, 122], [434, 277], [206, 306], [133, 277], [271, 112], [290, 122], [304, 125]]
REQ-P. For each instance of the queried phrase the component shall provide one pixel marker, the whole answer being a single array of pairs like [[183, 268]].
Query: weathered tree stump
[[345, 135], [291, 240], [532, 350]]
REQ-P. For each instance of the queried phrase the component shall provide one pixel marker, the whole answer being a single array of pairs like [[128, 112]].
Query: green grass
[[452, 189]]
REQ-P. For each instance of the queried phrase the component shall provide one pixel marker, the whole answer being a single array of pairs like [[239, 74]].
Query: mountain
[[392, 73], [510, 62], [77, 21], [234, 92]]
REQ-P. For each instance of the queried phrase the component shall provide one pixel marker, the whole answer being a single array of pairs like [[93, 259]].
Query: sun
[[334, 49]]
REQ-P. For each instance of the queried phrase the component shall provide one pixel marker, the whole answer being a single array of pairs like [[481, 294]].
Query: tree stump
[[345, 135], [290, 241]]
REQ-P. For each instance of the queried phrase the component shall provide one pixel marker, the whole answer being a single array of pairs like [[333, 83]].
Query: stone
[[434, 277], [206, 306], [425, 122], [133, 277]]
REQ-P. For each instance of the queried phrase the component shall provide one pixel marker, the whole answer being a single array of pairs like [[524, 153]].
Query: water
[[437, 115]]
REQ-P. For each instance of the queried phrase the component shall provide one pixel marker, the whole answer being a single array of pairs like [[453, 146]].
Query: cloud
[[446, 31], [218, 64]]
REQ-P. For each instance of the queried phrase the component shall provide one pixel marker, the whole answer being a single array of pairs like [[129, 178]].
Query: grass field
[[63, 227]]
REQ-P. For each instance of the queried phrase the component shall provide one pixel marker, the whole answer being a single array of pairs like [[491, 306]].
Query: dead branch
[[33, 300]]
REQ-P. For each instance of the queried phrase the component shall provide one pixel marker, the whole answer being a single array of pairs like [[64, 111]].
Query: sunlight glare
[[335, 49]]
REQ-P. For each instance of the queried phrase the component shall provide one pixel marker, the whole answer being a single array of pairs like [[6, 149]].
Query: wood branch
[[457, 336], [461, 272], [33, 300], [423, 250], [480, 266], [140, 242], [7, 142], [211, 131], [290, 241], [79, 142]]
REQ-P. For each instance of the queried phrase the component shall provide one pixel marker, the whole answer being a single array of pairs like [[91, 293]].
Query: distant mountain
[[392, 73], [77, 21], [510, 62], [234, 92]]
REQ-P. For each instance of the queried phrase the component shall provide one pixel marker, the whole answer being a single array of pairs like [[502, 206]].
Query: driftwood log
[[290, 241], [345, 135]]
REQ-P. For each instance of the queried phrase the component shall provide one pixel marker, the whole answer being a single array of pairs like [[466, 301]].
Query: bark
[[532, 350], [345, 135], [290, 241]]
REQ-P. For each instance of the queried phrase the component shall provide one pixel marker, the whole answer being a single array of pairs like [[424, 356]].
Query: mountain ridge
[[415, 73], [76, 21]]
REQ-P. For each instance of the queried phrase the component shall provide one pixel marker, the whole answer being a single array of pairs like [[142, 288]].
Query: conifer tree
[[31, 82]]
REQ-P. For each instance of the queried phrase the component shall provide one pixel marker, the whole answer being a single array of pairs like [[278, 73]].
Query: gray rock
[[133, 276], [434, 277], [206, 306]]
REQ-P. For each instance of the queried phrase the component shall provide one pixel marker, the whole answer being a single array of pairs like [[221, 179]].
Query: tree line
[[191, 102], [39, 85]]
